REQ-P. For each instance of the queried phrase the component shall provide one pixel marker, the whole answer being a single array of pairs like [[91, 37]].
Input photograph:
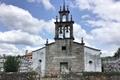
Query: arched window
[[67, 32], [63, 18]]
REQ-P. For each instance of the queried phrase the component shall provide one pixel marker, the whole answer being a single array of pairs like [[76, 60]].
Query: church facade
[[65, 55]]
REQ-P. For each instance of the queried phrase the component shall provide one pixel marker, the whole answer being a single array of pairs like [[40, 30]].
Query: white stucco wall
[[94, 56], [39, 55]]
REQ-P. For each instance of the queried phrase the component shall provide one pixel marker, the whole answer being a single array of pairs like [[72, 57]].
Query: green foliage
[[32, 76], [11, 64], [117, 54]]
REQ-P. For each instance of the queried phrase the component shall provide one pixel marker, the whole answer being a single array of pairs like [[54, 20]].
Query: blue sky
[[26, 24]]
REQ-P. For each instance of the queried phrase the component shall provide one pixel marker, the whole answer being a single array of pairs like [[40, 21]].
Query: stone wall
[[101, 76], [111, 64], [86, 76], [73, 55], [19, 76], [71, 76]]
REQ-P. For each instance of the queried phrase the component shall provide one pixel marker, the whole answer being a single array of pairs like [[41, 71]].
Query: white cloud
[[22, 29], [83, 4], [79, 32], [104, 35], [108, 34], [105, 9], [20, 38], [85, 17], [49, 26], [31, 48], [19, 19], [9, 49], [106, 27], [46, 3]]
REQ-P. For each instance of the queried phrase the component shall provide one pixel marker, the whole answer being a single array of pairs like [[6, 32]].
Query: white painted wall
[[94, 56], [39, 55]]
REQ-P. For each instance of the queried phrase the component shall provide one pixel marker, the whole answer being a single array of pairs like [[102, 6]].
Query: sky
[[26, 24]]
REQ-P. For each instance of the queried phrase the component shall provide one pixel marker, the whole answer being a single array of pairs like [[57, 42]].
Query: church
[[64, 54]]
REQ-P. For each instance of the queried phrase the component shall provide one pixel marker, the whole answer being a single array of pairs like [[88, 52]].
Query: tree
[[117, 54], [11, 64]]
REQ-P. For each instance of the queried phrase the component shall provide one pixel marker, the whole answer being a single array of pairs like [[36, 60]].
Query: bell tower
[[64, 24]]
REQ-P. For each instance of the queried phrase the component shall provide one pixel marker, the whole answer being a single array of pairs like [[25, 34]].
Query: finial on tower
[[56, 18], [82, 41], [67, 8], [46, 41], [60, 8], [64, 2], [63, 5], [71, 17]]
